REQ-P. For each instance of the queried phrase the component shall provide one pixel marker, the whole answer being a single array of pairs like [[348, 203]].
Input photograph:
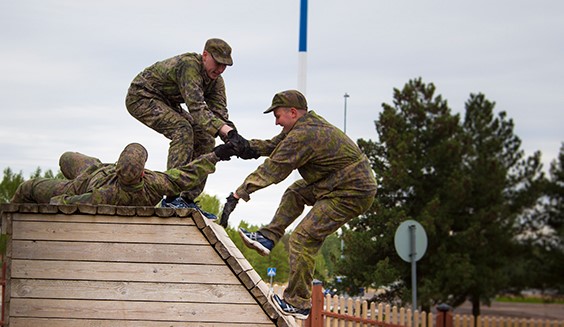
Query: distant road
[[518, 310]]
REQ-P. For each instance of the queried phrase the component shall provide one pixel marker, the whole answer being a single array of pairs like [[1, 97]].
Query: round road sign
[[403, 239]]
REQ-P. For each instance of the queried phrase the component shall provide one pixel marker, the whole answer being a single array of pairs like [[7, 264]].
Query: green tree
[[554, 207], [209, 203], [541, 259], [9, 184], [330, 254], [417, 163], [502, 184], [278, 257], [466, 183]]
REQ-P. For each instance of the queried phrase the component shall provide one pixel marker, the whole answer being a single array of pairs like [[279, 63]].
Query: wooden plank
[[9, 207], [133, 310], [130, 291], [49, 209], [117, 271], [110, 219], [250, 278], [7, 231], [68, 209], [238, 265], [116, 252], [44, 322], [62, 231]]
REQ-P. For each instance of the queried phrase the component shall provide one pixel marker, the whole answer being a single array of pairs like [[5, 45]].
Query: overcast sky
[[65, 67]]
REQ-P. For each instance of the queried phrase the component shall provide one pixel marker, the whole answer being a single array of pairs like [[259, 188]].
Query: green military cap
[[220, 51], [290, 99], [131, 164]]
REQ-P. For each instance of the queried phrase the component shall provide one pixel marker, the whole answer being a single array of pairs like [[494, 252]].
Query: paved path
[[518, 310]]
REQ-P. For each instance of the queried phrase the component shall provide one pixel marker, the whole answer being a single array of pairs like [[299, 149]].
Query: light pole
[[344, 130], [346, 96]]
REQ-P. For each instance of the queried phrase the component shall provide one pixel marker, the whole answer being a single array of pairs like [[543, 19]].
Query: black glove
[[228, 209], [239, 142], [242, 146], [248, 153], [224, 151]]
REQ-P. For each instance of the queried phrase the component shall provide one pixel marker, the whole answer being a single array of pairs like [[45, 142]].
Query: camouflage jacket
[[325, 157], [182, 79], [98, 184]]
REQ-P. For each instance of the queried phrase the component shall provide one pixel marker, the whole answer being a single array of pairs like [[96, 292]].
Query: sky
[[66, 65]]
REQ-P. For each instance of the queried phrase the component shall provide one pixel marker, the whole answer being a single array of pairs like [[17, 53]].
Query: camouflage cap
[[131, 164], [220, 51], [289, 98]]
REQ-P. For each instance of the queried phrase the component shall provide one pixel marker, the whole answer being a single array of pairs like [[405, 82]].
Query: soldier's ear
[[294, 112]]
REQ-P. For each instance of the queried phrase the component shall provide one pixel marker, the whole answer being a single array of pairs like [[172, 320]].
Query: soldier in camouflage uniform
[[155, 95], [125, 183], [338, 182]]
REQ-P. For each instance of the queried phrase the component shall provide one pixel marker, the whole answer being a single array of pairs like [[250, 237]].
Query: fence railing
[[339, 311]]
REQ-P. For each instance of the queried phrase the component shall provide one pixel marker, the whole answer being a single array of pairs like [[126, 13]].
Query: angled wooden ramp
[[109, 266]]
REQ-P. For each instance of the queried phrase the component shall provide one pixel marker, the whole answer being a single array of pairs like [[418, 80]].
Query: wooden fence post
[[315, 318], [444, 316]]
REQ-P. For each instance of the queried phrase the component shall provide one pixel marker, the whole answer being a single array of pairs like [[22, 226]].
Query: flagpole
[[302, 48]]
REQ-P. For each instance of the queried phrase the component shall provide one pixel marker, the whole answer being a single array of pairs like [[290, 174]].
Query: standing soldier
[[125, 183], [338, 182], [155, 96]]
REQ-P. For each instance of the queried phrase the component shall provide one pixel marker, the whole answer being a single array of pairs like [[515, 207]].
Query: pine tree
[[467, 183]]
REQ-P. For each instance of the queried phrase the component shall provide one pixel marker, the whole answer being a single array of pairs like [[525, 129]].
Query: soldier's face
[[285, 117], [213, 68]]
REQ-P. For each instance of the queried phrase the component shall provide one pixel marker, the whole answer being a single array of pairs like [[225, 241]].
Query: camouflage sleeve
[[265, 147], [85, 198], [217, 99], [191, 84], [185, 178], [287, 156]]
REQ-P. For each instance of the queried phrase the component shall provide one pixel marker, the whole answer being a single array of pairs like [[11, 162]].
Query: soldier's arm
[[185, 178], [191, 87], [85, 198], [288, 155], [265, 147]]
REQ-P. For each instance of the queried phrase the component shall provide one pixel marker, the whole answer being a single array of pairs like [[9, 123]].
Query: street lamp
[[346, 96]]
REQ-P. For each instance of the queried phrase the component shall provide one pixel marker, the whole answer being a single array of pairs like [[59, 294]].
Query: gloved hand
[[224, 151], [239, 142], [248, 153], [242, 146], [228, 209]]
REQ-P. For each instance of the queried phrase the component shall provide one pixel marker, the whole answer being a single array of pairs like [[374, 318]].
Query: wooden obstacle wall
[[127, 266]]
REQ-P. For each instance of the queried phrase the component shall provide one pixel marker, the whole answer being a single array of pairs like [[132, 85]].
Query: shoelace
[[253, 236]]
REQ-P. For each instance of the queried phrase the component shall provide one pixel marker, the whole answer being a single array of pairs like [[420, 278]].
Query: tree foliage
[[466, 182], [9, 184], [541, 259], [278, 257]]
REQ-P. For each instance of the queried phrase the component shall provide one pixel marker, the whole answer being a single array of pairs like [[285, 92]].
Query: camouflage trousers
[[187, 141], [326, 216], [39, 190]]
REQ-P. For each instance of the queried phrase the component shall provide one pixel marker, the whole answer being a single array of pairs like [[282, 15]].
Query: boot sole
[[254, 245], [279, 309]]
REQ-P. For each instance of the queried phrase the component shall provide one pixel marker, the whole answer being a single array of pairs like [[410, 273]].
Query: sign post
[[271, 272], [410, 241]]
